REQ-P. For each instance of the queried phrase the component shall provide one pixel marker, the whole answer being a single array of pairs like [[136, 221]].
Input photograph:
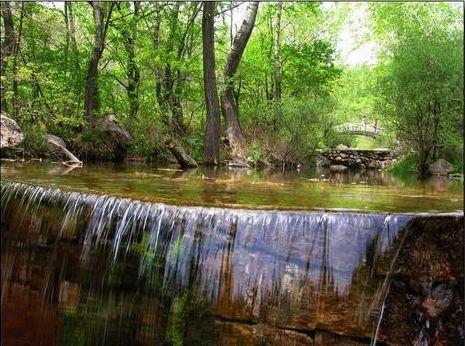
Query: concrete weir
[[231, 276]]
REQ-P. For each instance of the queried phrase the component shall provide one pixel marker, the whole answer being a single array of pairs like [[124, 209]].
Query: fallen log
[[184, 160], [59, 145]]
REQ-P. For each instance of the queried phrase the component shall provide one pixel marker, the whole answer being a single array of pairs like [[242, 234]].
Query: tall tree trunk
[[129, 37], [155, 31], [16, 100], [213, 123], [277, 65], [66, 52], [133, 69], [7, 49], [91, 102], [228, 104], [72, 34]]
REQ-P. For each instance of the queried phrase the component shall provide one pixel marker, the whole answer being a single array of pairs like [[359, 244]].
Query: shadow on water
[[90, 269]]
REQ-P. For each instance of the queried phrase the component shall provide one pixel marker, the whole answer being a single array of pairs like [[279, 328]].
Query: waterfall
[[287, 268]]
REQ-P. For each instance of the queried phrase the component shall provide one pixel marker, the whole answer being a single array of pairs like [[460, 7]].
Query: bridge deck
[[358, 129]]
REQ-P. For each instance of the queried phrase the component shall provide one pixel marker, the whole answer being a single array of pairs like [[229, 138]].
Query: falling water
[[131, 260]]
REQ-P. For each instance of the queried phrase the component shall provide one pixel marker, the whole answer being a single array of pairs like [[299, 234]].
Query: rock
[[10, 133], [337, 168], [342, 147], [105, 139], [111, 126], [440, 167], [322, 162]]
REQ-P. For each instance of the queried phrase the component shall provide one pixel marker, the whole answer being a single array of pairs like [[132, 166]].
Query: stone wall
[[352, 158]]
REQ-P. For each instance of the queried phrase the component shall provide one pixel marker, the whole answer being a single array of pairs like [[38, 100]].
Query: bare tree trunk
[[213, 123], [91, 103], [7, 49], [277, 65], [228, 104]]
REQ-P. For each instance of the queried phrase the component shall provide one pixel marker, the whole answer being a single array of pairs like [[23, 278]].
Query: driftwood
[[10, 133], [58, 145], [184, 160]]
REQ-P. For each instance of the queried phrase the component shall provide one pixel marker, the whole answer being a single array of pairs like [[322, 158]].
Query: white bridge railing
[[359, 128]]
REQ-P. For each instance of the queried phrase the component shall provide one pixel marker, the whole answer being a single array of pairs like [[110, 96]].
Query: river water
[[139, 255]]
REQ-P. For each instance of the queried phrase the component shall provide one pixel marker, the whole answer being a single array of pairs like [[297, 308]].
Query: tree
[[127, 29], [7, 49], [102, 14], [213, 123], [277, 63], [421, 76], [229, 108]]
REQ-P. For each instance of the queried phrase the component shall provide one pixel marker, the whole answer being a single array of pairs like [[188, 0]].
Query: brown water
[[91, 257], [369, 190]]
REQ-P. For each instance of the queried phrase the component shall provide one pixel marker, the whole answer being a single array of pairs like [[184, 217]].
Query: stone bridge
[[360, 129]]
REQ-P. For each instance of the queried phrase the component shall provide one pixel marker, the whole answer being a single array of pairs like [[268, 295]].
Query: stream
[[140, 255]]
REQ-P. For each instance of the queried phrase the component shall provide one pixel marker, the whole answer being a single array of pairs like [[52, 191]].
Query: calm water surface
[[369, 190]]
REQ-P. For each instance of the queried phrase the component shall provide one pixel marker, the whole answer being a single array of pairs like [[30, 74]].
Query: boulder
[[322, 161], [337, 168], [342, 147], [111, 126], [440, 167], [10, 133], [105, 139]]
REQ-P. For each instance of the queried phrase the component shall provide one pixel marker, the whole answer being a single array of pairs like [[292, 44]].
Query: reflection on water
[[89, 269], [369, 190]]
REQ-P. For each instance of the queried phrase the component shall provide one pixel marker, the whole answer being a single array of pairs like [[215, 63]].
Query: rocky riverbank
[[340, 159]]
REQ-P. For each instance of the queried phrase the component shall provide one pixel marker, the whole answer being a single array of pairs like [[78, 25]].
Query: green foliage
[[195, 142], [419, 66], [309, 67], [407, 165], [420, 79]]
